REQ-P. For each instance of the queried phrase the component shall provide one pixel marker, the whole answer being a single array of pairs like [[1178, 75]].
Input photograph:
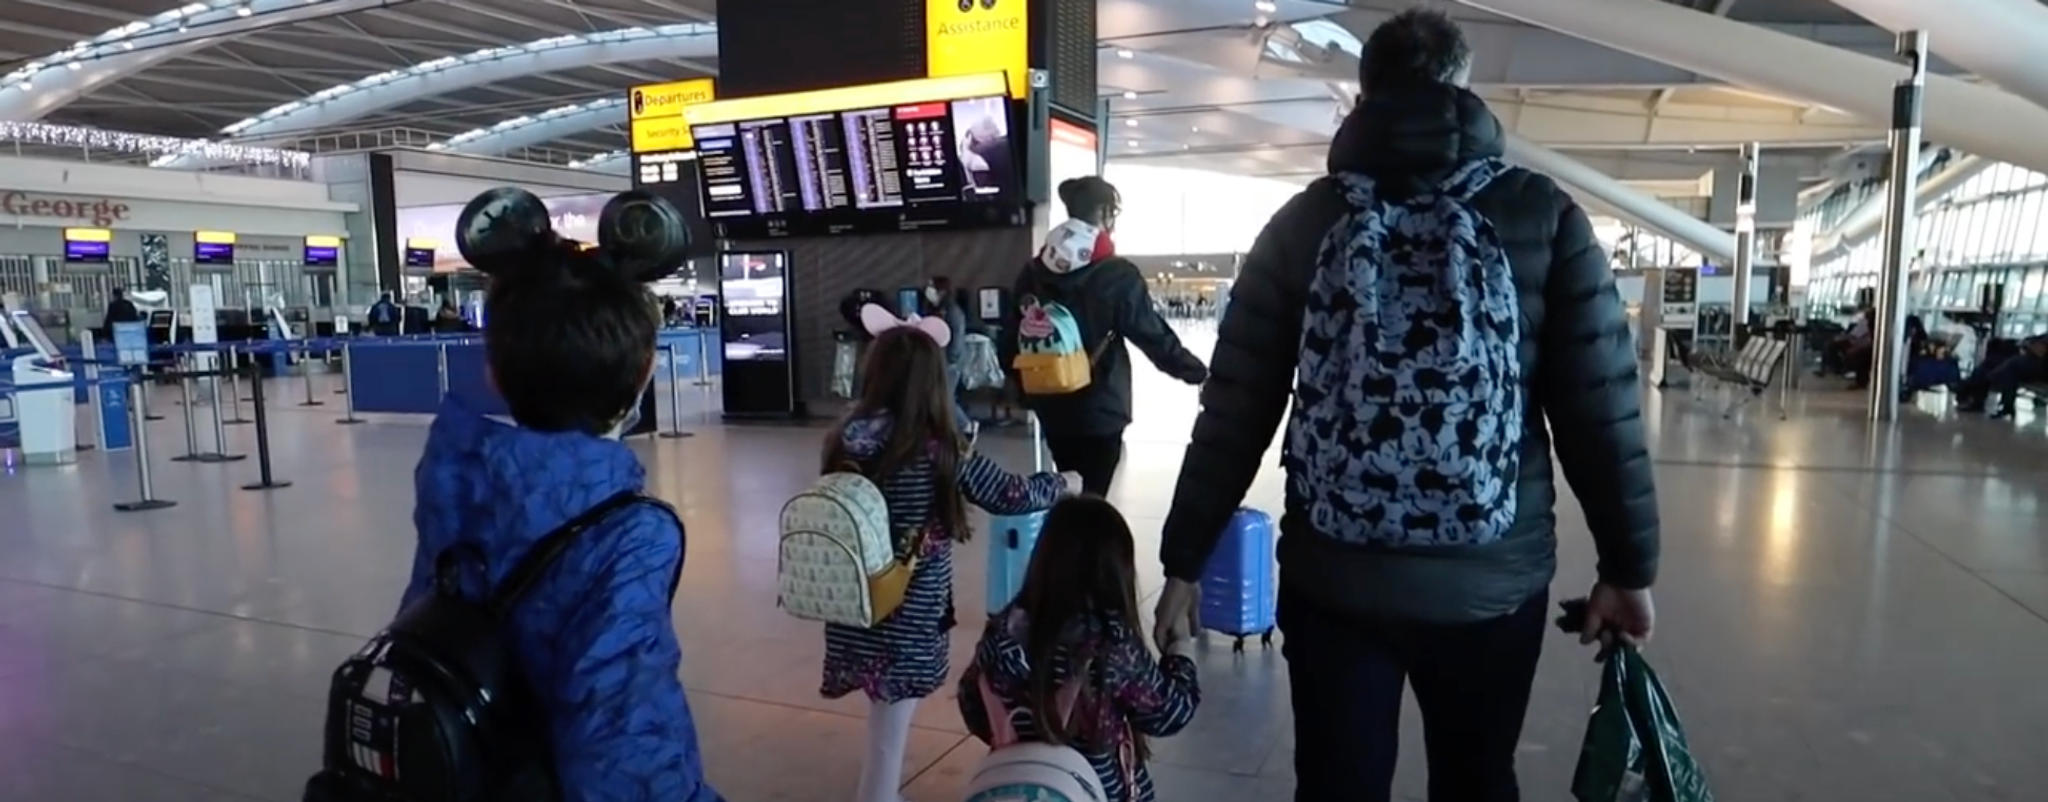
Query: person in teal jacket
[[570, 342]]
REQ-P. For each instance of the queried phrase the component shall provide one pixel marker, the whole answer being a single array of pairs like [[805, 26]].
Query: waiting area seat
[[1750, 372]]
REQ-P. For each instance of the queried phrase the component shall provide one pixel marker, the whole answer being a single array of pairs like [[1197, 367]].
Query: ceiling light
[[1125, 52], [127, 45], [73, 66], [182, 27], [26, 86], [1266, 6], [1131, 122], [1130, 95], [1133, 143], [243, 11], [1195, 129]]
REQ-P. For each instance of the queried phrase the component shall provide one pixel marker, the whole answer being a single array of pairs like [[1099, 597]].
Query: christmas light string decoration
[[30, 133]]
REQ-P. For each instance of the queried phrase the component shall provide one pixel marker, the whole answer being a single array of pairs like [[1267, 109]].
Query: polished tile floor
[[1846, 615]]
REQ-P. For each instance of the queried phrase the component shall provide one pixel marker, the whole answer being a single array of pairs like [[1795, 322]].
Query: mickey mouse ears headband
[[877, 320], [639, 234]]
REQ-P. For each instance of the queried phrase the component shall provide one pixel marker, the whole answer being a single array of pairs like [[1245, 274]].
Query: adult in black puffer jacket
[[1464, 624], [1084, 430]]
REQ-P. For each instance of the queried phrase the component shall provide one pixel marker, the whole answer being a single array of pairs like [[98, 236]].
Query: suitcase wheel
[[1238, 646], [1266, 640]]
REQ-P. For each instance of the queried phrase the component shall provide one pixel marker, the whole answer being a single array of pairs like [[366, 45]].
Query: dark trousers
[[2022, 368], [1471, 682], [1094, 457]]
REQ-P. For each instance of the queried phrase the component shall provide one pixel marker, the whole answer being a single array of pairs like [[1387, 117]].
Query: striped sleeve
[[991, 488], [1160, 697]]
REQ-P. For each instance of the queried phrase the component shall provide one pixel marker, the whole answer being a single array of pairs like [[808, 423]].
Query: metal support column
[[1886, 359], [1745, 241]]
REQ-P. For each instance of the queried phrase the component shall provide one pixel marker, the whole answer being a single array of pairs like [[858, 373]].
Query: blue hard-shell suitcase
[[1240, 594], [1011, 539]]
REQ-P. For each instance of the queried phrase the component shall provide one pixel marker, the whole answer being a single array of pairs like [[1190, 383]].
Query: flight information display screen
[[829, 170]]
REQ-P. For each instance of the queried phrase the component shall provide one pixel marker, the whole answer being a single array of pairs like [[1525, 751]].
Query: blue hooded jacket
[[594, 635]]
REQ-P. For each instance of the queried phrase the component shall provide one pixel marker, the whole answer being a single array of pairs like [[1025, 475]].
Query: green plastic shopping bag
[[1635, 748]]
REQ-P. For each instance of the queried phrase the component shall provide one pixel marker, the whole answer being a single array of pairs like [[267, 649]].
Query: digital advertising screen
[[837, 161], [416, 257], [213, 253], [213, 247], [322, 256], [323, 251], [755, 323], [1071, 152], [425, 228], [88, 245], [87, 251]]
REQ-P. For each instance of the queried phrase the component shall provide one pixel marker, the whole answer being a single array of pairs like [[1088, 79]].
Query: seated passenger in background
[[570, 344], [1076, 621], [448, 319], [2005, 374]]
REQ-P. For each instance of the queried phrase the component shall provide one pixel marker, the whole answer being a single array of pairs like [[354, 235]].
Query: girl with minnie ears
[[569, 336], [901, 434]]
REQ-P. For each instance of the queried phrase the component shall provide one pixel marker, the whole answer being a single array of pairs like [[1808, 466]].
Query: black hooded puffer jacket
[[1577, 356]]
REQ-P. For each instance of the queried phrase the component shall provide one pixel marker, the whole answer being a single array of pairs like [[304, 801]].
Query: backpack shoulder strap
[[1469, 179], [550, 548]]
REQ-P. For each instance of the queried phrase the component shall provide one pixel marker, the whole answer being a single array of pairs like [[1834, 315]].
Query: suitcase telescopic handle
[[1037, 443]]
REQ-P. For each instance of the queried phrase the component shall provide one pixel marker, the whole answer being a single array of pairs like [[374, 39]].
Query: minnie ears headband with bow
[[877, 320], [639, 234]]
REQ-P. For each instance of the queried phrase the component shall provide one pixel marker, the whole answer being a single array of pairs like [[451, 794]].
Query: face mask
[[632, 416]]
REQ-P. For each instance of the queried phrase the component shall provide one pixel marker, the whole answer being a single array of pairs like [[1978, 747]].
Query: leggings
[[1094, 457]]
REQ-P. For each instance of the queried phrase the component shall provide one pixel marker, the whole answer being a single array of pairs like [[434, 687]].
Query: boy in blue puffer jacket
[[570, 339]]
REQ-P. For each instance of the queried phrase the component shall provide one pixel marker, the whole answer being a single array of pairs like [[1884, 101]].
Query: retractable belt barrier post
[[306, 372], [703, 360], [675, 393], [235, 387], [266, 481], [441, 366], [220, 435], [139, 393], [192, 453], [91, 369], [348, 395], [185, 398]]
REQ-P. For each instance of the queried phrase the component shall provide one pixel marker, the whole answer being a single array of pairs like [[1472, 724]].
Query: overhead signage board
[[657, 113], [896, 156], [965, 37], [866, 96], [662, 135]]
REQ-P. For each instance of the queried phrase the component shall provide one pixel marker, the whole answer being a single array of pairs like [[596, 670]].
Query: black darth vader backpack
[[435, 708]]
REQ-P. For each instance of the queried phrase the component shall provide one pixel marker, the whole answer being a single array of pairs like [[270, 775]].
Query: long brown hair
[[904, 377], [1085, 564]]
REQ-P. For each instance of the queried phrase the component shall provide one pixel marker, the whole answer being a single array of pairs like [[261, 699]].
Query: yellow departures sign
[[965, 37], [657, 113]]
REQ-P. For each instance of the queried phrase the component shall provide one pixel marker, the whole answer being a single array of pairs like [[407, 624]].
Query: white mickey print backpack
[[838, 560]]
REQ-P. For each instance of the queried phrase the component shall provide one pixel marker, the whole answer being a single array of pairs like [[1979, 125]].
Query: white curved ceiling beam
[[47, 84], [524, 131], [384, 90], [617, 162], [1865, 219], [1978, 119], [1998, 39]]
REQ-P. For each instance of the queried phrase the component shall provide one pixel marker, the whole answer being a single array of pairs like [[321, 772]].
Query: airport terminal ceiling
[[1244, 86]]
